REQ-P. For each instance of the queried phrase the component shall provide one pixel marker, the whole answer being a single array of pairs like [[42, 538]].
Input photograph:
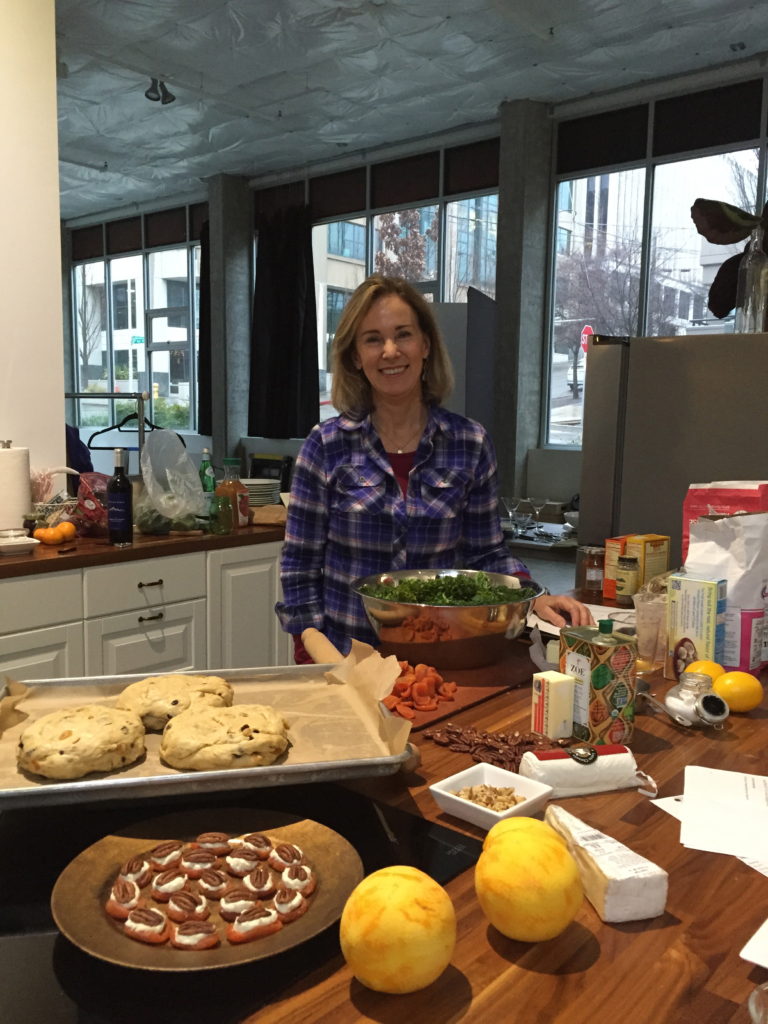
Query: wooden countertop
[[674, 969], [87, 551]]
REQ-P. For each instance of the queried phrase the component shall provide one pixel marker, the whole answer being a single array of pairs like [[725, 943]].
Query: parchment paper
[[332, 715]]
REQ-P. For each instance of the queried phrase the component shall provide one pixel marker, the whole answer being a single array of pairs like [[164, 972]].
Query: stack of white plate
[[262, 491]]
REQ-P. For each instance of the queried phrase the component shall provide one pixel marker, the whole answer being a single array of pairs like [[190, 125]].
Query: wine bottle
[[120, 503]]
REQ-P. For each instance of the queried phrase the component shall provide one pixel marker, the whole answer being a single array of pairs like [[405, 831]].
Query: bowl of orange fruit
[[62, 532]]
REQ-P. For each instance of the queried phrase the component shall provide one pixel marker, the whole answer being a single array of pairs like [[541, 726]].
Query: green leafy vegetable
[[448, 590]]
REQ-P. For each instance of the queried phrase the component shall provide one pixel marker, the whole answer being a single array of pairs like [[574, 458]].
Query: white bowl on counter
[[17, 545], [536, 794]]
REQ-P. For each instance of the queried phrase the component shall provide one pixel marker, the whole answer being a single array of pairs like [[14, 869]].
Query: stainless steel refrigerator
[[660, 414]]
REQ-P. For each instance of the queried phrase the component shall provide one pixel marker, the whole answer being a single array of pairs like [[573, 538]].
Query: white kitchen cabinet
[[164, 638], [52, 653], [41, 627], [243, 628], [145, 616]]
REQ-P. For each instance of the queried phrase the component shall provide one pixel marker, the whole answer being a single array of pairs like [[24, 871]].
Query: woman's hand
[[561, 610]]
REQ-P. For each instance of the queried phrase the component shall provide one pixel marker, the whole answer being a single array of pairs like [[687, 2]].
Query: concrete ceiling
[[264, 86]]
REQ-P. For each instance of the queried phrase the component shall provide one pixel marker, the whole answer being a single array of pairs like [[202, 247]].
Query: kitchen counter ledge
[[87, 551]]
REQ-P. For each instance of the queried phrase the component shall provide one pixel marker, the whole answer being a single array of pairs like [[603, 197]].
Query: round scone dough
[[70, 743], [158, 699], [243, 736]]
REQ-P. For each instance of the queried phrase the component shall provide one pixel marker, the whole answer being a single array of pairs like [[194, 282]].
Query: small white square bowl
[[444, 794]]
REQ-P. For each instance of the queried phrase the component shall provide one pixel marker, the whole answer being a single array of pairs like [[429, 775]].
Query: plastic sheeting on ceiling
[[268, 85]]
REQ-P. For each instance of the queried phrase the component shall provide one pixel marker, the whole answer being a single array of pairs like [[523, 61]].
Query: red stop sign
[[585, 335]]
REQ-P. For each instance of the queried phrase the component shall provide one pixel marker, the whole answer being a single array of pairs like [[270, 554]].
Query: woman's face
[[390, 348]]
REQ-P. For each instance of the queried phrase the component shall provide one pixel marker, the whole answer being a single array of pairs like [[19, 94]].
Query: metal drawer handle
[[154, 583], [150, 618]]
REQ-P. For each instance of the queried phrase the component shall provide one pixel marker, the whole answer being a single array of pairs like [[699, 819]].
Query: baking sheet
[[337, 731]]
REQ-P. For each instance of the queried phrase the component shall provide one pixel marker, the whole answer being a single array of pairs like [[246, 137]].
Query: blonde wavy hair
[[350, 392]]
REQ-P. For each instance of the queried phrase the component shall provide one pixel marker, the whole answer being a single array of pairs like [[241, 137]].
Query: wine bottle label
[[120, 511]]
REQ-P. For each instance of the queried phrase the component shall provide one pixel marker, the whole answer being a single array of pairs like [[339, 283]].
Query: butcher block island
[[75, 616], [682, 965]]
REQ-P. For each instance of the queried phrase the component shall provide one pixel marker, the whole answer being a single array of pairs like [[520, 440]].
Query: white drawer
[[31, 602], [145, 584]]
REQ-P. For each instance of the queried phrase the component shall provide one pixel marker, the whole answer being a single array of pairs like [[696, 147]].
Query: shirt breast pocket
[[359, 490], [444, 492]]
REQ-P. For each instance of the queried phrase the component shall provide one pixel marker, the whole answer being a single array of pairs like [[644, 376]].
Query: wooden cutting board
[[475, 685]]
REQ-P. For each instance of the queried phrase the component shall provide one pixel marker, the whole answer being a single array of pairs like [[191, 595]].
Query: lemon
[[709, 668], [741, 691]]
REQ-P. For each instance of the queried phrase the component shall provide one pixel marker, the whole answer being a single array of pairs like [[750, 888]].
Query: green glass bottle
[[207, 475]]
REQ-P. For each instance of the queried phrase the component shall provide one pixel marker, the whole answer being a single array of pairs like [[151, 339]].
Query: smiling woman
[[395, 481]]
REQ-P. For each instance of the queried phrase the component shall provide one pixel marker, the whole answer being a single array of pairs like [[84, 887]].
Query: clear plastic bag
[[171, 480]]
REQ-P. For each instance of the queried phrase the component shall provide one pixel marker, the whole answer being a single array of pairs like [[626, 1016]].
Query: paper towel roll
[[15, 492]]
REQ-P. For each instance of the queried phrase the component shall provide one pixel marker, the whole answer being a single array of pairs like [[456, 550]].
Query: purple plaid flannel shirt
[[347, 518]]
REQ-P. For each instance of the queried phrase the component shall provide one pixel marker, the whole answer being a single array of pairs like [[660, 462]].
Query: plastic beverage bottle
[[207, 475], [120, 503], [235, 490]]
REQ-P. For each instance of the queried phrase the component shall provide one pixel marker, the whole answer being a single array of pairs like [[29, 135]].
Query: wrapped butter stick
[[576, 771], [619, 883]]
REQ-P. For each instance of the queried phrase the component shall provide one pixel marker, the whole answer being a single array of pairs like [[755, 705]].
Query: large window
[[628, 260], [151, 341]]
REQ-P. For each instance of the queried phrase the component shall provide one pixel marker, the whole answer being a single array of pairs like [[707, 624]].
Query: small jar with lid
[[627, 580], [590, 566]]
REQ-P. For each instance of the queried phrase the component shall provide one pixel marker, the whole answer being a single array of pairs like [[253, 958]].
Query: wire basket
[[52, 512]]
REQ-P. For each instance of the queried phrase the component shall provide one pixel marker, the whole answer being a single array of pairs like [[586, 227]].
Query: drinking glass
[[537, 504], [758, 1004], [511, 506]]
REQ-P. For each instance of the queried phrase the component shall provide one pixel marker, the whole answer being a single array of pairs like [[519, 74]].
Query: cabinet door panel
[[108, 589], [243, 586], [120, 644], [36, 602], [52, 653]]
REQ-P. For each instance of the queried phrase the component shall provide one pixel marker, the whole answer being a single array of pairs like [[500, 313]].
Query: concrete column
[[521, 272], [230, 218]]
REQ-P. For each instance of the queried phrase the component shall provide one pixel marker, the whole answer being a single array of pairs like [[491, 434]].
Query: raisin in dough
[[243, 736], [158, 699], [71, 743]]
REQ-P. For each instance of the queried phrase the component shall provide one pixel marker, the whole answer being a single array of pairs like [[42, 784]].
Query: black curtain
[[204, 405], [284, 391]]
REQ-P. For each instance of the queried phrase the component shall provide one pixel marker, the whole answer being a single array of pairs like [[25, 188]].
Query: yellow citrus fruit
[[510, 828], [398, 930], [741, 691], [709, 668]]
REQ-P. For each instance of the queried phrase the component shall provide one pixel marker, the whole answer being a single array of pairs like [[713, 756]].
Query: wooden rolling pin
[[323, 652], [320, 648]]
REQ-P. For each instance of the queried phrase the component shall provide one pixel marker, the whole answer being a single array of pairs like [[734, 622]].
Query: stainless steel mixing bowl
[[446, 636]]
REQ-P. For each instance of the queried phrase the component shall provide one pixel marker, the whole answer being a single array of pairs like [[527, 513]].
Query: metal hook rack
[[139, 397]]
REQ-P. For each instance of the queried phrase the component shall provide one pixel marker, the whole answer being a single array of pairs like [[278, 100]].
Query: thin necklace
[[403, 446]]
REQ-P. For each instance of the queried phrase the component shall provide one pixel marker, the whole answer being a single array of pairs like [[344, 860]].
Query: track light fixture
[[159, 91], [165, 95], [153, 92]]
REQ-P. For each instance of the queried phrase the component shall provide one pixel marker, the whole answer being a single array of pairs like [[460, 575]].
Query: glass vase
[[752, 287]]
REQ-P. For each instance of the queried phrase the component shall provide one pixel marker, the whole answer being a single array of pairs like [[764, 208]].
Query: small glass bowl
[[13, 534]]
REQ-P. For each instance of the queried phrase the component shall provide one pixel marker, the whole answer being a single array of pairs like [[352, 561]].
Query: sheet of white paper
[[623, 617], [725, 812], [756, 950], [674, 805]]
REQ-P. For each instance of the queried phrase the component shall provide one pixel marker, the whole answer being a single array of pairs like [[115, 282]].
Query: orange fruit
[[68, 529], [38, 534], [50, 535], [709, 668], [741, 691]]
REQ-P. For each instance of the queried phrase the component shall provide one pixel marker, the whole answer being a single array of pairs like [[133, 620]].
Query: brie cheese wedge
[[619, 883]]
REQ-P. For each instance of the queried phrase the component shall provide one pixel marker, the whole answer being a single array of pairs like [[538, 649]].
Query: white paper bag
[[735, 548]]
